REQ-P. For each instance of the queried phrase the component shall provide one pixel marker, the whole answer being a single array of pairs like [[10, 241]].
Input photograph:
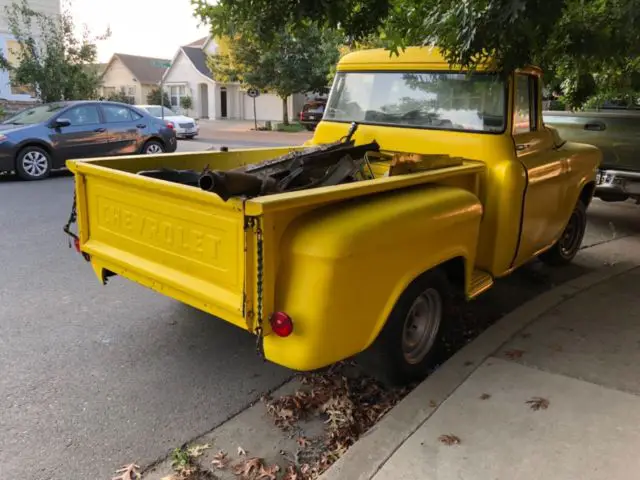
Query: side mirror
[[61, 122]]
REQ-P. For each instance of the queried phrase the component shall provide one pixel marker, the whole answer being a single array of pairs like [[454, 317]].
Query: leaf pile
[[350, 403]]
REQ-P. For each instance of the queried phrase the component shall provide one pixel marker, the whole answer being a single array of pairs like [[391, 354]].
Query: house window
[[176, 93]]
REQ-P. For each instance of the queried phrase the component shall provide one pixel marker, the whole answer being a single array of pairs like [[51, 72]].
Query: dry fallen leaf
[[432, 404], [128, 472], [220, 460], [538, 403], [241, 451], [449, 439], [195, 451], [303, 442], [514, 354], [268, 473], [291, 473], [248, 468], [485, 396]]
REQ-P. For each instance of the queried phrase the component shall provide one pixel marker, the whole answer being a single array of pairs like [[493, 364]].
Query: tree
[[291, 62], [186, 103], [52, 62], [153, 97], [575, 41]]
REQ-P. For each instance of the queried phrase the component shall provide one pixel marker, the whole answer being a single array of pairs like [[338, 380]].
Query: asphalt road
[[96, 376]]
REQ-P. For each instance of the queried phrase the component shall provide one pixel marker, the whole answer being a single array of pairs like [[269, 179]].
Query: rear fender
[[343, 267]]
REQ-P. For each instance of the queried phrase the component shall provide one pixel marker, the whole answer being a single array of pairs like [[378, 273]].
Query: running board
[[481, 281]]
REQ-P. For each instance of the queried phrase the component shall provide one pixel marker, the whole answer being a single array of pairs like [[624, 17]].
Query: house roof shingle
[[199, 60], [143, 68]]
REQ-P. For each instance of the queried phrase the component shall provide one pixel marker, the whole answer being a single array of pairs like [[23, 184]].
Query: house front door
[[223, 102]]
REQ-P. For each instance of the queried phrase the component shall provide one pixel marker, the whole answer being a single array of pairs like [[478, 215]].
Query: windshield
[[34, 115], [450, 101], [156, 111]]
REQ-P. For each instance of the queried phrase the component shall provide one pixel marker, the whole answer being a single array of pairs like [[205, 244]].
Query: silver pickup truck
[[617, 134]]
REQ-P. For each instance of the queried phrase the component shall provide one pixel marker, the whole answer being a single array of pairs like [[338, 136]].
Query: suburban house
[[132, 75], [189, 75], [16, 95]]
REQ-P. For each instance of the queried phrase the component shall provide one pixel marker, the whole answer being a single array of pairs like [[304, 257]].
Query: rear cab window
[[474, 102]]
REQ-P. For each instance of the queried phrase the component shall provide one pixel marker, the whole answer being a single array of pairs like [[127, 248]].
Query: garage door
[[268, 107]]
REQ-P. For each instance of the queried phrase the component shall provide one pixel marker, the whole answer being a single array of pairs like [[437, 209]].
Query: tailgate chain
[[73, 216], [258, 330]]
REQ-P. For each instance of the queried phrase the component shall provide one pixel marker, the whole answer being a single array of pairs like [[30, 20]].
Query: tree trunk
[[285, 111]]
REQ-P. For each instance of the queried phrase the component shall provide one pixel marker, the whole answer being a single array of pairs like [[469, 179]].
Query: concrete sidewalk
[[551, 391]]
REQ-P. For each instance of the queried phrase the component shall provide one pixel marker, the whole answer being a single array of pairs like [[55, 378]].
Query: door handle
[[595, 126], [100, 130], [522, 146], [141, 125]]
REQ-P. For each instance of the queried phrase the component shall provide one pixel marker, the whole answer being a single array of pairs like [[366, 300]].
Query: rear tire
[[33, 163], [153, 147], [411, 343], [566, 248]]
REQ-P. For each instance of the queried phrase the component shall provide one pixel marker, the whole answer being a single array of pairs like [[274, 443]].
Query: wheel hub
[[35, 163], [570, 236], [421, 326]]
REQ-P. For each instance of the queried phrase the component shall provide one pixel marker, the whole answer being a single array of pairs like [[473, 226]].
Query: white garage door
[[268, 107]]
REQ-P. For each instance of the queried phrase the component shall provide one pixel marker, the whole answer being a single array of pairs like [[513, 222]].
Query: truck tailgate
[[178, 240]]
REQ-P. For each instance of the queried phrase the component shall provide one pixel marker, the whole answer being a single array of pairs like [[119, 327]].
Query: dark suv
[[312, 113], [41, 138]]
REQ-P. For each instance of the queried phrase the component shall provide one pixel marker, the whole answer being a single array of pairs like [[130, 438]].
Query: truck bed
[[191, 245]]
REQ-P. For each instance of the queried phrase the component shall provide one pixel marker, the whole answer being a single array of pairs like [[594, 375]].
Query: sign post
[[253, 93], [162, 64]]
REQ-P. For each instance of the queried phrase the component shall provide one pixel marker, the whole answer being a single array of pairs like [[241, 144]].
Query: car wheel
[[153, 147], [566, 248], [411, 342], [311, 128], [33, 163]]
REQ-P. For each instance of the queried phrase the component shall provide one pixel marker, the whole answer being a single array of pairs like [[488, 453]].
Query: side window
[[117, 114], [525, 101], [83, 115]]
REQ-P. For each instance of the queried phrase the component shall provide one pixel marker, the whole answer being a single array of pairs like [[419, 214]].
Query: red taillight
[[76, 243], [281, 324], [170, 125]]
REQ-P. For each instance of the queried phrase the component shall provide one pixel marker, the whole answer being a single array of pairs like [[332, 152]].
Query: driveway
[[94, 376]]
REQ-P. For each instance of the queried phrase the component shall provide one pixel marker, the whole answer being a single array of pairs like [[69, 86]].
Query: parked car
[[185, 127], [616, 132], [312, 113], [41, 138]]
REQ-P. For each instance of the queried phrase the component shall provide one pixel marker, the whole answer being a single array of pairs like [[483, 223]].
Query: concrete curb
[[367, 456]]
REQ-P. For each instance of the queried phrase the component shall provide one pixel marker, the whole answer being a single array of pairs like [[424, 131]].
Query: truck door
[[543, 216]]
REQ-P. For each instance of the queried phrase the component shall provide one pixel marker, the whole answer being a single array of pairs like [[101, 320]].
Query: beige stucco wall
[[118, 76]]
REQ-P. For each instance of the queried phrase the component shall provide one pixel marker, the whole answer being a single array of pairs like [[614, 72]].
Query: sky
[[152, 28]]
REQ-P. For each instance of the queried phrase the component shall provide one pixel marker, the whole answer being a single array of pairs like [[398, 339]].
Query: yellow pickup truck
[[426, 182]]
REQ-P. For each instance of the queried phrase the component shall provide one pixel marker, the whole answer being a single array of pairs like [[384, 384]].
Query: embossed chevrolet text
[[162, 232]]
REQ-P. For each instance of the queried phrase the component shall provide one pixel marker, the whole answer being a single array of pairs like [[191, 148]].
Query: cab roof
[[412, 58]]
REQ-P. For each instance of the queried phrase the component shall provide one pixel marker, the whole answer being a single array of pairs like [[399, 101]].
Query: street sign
[[253, 92], [161, 63]]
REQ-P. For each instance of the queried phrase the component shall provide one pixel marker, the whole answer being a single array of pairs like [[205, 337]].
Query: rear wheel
[[411, 342], [153, 147], [567, 247], [33, 163]]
